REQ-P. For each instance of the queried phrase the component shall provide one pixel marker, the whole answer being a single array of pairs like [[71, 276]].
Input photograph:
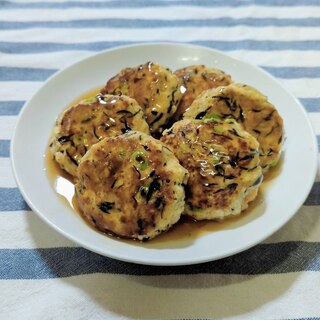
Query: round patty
[[251, 109], [196, 79], [131, 185], [84, 124], [223, 163], [156, 89]]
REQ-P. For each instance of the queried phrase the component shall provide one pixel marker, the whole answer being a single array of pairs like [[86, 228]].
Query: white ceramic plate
[[281, 198]]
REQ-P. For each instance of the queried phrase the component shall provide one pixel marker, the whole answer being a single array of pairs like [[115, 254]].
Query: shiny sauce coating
[[185, 231]]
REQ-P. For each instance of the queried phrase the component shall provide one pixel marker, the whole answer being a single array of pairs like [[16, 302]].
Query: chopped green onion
[[215, 160], [139, 158], [212, 117]]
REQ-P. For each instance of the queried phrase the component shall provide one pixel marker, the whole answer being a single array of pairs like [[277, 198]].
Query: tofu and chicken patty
[[251, 109], [131, 185], [84, 124], [196, 79], [223, 164], [156, 89]]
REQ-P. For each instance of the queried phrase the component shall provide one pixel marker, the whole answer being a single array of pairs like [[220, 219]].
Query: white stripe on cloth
[[272, 58], [181, 34], [24, 229], [101, 296], [166, 13], [303, 87], [17, 91], [56, 60]]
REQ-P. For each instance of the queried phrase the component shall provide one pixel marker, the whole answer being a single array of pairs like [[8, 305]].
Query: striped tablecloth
[[45, 276]]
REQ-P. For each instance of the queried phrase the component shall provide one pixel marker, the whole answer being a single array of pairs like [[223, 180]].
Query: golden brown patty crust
[[223, 164], [251, 109], [196, 79], [84, 124], [156, 89], [131, 185]]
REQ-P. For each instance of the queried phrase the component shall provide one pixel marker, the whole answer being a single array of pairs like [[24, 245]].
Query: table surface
[[45, 276]]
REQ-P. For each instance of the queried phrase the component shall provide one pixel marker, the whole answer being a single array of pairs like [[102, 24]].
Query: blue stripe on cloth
[[41, 74], [266, 45], [24, 74], [313, 198], [43, 47], [153, 3], [12, 200], [311, 104], [157, 23], [318, 140], [294, 72], [63, 262], [253, 45], [10, 108], [309, 318], [4, 148]]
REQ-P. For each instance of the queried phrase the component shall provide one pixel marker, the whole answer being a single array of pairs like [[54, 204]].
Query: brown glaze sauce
[[186, 230]]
